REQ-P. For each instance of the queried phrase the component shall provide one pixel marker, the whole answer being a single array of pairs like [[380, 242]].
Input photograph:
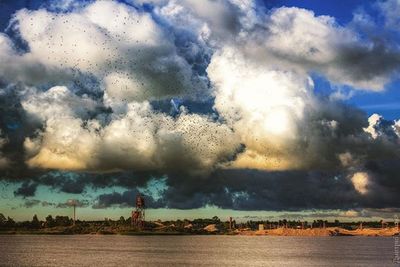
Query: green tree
[[121, 220], [2, 219], [62, 221], [10, 222], [35, 223], [216, 219], [50, 221]]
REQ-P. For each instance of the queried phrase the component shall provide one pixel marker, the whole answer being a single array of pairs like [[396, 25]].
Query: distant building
[[261, 227]]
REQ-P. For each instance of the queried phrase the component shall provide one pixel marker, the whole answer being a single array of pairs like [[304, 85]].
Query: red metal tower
[[138, 218]]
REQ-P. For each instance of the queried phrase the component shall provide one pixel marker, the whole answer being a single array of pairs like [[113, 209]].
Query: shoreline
[[315, 232], [329, 231]]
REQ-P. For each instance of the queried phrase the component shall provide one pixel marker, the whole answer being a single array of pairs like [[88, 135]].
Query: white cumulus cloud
[[139, 139], [361, 181]]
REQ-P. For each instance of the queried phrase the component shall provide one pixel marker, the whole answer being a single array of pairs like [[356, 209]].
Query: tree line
[[50, 221], [35, 223]]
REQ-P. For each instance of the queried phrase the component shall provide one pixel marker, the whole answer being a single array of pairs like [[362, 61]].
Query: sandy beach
[[329, 231]]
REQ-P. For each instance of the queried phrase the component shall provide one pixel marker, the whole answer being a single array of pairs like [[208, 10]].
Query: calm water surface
[[195, 251]]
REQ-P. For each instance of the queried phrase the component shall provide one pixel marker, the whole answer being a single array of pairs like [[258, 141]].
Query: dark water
[[195, 251]]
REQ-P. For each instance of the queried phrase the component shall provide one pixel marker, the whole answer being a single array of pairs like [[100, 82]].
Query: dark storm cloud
[[29, 203], [27, 189], [294, 191], [365, 63], [65, 182], [126, 199], [79, 183], [333, 129], [354, 64], [72, 182], [73, 202], [13, 123], [260, 190]]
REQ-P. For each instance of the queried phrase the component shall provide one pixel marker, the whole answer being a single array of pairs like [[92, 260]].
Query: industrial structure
[[138, 215]]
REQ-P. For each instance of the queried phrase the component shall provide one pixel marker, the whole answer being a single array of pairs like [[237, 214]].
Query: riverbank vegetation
[[66, 225]]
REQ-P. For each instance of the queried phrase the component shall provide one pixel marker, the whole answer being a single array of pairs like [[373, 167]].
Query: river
[[101, 250]]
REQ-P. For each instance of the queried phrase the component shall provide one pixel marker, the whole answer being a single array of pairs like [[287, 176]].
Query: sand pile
[[372, 232], [329, 231], [300, 232], [211, 228], [189, 226]]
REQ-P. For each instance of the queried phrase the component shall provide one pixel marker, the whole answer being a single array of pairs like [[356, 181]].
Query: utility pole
[[73, 203]]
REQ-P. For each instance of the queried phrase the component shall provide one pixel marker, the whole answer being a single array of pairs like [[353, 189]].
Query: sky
[[245, 108]]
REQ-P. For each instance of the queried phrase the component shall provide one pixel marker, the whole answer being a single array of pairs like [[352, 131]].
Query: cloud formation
[[114, 42], [4, 162], [140, 139], [27, 189], [80, 85], [29, 203], [361, 181], [294, 38], [389, 9]]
